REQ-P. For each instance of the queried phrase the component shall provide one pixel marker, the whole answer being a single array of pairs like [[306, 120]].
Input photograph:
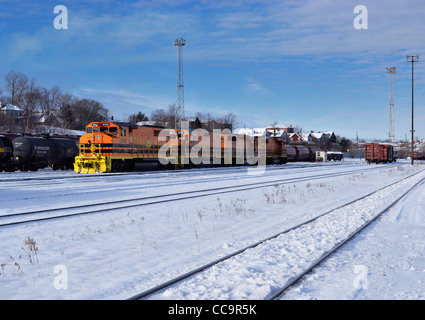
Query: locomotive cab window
[[95, 129], [89, 130], [103, 129], [123, 132], [113, 130]]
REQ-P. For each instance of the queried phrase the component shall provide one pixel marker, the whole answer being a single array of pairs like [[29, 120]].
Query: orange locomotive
[[109, 146], [114, 146]]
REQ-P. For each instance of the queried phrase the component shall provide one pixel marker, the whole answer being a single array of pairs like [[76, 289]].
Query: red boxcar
[[377, 153]]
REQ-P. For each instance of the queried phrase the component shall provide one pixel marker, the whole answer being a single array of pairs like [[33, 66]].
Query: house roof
[[245, 131], [305, 135], [254, 132], [260, 132], [317, 135], [291, 135], [276, 132], [10, 107]]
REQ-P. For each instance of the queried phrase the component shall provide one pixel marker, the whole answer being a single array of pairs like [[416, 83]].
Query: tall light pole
[[179, 43], [391, 136], [412, 59]]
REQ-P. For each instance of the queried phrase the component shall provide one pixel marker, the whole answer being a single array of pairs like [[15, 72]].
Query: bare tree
[[160, 117], [51, 102], [30, 104], [229, 120], [172, 116], [65, 114], [16, 84], [86, 111], [137, 117]]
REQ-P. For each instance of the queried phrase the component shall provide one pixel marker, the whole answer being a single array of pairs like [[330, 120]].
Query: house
[[306, 137], [46, 118], [10, 114], [331, 136], [324, 137], [260, 132], [318, 137], [295, 138], [280, 133]]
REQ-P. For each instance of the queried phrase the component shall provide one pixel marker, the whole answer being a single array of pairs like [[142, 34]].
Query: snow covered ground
[[118, 253]]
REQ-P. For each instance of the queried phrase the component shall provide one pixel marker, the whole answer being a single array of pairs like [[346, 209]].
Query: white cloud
[[122, 103], [254, 86]]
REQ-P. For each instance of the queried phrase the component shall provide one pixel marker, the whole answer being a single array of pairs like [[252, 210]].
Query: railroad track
[[18, 218], [292, 279], [22, 183], [122, 184], [156, 171]]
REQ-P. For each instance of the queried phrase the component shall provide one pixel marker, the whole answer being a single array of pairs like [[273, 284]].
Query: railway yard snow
[[121, 249]]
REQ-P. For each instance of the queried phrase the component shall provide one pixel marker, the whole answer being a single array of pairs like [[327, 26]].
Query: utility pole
[[412, 59], [391, 136], [179, 43]]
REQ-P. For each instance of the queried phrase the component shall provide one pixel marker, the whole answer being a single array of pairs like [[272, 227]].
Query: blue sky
[[295, 62]]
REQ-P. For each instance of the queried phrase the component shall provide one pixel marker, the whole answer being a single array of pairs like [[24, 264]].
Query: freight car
[[380, 153], [303, 153], [291, 153], [33, 153], [419, 155], [313, 151], [334, 156], [6, 153]]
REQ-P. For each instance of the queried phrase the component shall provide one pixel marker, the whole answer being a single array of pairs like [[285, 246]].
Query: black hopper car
[[33, 153]]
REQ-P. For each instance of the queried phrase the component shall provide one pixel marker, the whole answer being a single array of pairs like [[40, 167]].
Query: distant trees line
[[166, 118], [52, 106], [61, 109]]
